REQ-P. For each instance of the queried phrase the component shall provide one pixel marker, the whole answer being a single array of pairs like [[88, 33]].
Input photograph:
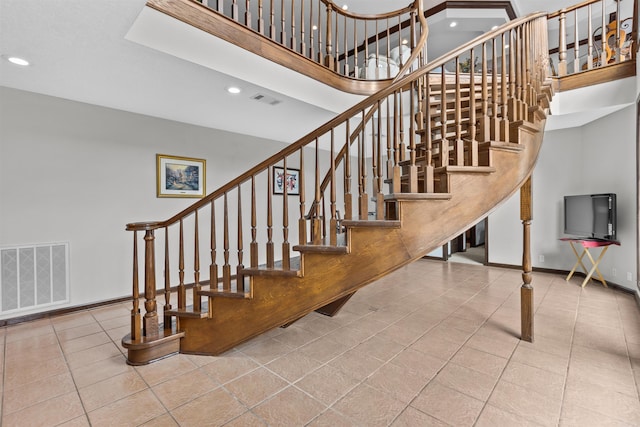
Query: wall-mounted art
[[291, 181], [180, 176]]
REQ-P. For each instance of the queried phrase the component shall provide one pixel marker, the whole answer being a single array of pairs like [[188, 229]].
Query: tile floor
[[433, 344]]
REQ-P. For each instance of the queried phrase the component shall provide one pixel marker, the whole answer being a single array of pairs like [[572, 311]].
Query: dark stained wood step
[[277, 270], [375, 223], [465, 169], [400, 197], [225, 294]]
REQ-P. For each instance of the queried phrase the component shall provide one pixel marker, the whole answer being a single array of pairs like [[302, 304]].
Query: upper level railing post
[[328, 59], [562, 52]]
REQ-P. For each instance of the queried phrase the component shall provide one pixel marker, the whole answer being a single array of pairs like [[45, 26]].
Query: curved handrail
[[332, 37], [364, 16], [372, 100]]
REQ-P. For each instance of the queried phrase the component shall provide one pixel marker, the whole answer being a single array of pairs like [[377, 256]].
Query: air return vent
[[33, 276], [265, 99]]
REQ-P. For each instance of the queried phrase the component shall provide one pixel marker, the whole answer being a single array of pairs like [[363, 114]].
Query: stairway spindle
[[413, 168], [458, 143], [312, 29], [494, 119], [302, 221], [253, 247], [333, 229], [294, 43], [182, 291], [316, 231], [402, 145], [283, 23], [196, 266], [473, 129], [270, 246], [286, 252], [213, 267], [504, 110], [511, 101], [135, 310], [260, 17], [226, 268], [363, 201], [483, 124], [429, 182], [247, 14], [303, 43], [234, 10], [319, 32], [444, 142], [348, 197], [378, 175], [240, 267], [167, 281], [272, 21], [346, 48]]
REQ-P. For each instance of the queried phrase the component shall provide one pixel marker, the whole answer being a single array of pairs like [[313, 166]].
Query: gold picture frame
[[180, 176]]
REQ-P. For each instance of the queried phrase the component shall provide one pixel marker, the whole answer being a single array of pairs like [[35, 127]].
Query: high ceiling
[[80, 50]]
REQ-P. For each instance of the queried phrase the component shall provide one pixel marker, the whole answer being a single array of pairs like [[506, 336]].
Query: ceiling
[[91, 51]]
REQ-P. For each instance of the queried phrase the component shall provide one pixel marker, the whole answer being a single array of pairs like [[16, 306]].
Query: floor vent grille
[[33, 276]]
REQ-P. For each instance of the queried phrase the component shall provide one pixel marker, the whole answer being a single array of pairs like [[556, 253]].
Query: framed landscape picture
[[292, 181], [180, 176]]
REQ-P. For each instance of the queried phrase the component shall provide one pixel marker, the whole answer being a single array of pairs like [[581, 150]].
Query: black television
[[590, 216]]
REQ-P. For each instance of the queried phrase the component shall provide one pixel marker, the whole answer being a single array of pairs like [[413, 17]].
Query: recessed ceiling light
[[345, 7], [506, 46], [315, 27], [233, 89], [495, 27], [405, 41], [18, 61], [453, 24]]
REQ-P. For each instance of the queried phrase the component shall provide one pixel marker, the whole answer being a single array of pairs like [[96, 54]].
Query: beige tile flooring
[[433, 344]]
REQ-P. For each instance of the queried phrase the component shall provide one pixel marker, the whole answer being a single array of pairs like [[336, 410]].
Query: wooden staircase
[[420, 161]]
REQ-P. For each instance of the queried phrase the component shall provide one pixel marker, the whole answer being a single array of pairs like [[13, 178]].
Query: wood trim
[[596, 76], [462, 4]]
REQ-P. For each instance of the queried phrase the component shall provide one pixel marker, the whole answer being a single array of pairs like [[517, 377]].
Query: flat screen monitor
[[591, 216]]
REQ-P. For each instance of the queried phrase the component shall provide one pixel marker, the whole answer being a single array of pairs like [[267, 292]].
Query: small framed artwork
[[180, 176], [291, 181]]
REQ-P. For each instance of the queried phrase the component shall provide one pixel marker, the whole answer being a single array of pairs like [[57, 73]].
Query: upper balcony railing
[[358, 46], [592, 34]]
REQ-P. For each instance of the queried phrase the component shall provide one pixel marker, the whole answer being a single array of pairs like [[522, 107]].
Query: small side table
[[586, 244]]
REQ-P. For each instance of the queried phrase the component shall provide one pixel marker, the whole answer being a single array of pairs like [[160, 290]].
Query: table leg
[[595, 267], [579, 262]]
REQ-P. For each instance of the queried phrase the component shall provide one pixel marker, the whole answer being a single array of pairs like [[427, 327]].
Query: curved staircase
[[409, 168]]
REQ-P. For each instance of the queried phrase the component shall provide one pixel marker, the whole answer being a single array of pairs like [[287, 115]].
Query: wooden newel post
[[526, 291], [150, 320]]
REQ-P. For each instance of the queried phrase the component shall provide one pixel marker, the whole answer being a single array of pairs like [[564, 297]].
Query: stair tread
[[188, 311], [465, 169], [225, 293], [321, 248], [382, 223], [501, 145], [418, 196], [276, 270]]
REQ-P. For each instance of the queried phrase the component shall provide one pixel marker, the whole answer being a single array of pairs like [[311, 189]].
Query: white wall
[[596, 158], [77, 173]]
